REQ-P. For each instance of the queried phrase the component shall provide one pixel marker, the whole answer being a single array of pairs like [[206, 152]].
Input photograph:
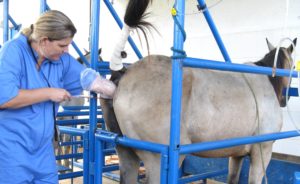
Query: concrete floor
[[108, 181], [79, 181]]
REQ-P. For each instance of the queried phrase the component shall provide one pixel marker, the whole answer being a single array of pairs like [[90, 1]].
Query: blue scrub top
[[30, 127]]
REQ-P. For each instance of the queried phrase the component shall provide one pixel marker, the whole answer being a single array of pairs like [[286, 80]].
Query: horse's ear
[[99, 51], [270, 46], [85, 51], [290, 49]]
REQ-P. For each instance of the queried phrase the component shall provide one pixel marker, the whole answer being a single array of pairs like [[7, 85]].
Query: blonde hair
[[52, 24]]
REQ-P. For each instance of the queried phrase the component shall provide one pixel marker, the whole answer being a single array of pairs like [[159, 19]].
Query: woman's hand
[[59, 95]]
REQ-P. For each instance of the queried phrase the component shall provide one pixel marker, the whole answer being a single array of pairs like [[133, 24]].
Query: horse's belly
[[227, 152]]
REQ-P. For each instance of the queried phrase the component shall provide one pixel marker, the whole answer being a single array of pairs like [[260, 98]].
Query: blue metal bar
[[174, 144], [112, 176], [86, 157], [297, 178], [292, 92], [109, 151], [214, 30], [70, 113], [5, 20], [15, 29], [72, 131], [16, 26], [143, 145], [202, 176], [70, 175], [105, 64], [95, 12], [67, 156], [99, 161], [47, 7], [120, 24], [129, 142], [71, 143], [75, 107], [109, 168], [199, 147], [209, 64], [164, 165], [43, 6], [86, 62], [76, 121]]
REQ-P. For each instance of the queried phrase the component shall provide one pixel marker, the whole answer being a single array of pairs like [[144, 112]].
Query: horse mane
[[268, 59]]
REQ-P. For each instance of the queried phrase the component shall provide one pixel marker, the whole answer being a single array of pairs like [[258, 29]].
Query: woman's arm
[[29, 97]]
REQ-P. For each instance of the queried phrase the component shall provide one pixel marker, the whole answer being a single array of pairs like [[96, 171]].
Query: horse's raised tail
[[136, 13]]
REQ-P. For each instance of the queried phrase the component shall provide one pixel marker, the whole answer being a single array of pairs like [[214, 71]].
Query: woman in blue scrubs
[[36, 73]]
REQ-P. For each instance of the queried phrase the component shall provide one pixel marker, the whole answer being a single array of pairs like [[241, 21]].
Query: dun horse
[[216, 105]]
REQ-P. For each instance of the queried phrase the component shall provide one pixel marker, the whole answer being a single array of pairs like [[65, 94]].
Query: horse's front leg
[[234, 169], [260, 157]]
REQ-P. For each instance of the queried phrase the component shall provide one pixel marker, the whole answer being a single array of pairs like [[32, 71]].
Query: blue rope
[[180, 27], [182, 53]]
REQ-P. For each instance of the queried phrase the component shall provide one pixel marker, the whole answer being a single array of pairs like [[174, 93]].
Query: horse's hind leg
[[129, 161], [152, 165], [234, 169], [260, 157], [129, 165]]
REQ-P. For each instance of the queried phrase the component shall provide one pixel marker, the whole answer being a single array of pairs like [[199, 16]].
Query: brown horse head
[[284, 61]]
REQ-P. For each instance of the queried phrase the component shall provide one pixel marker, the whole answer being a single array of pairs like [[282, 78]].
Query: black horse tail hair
[[136, 13], [135, 16]]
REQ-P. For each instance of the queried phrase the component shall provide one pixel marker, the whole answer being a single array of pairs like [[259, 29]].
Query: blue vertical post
[[99, 161], [43, 6], [85, 157], [5, 20], [164, 166], [214, 30], [93, 102], [176, 94]]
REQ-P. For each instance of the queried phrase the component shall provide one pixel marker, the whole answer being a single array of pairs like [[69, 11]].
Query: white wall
[[243, 25], [26, 13]]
